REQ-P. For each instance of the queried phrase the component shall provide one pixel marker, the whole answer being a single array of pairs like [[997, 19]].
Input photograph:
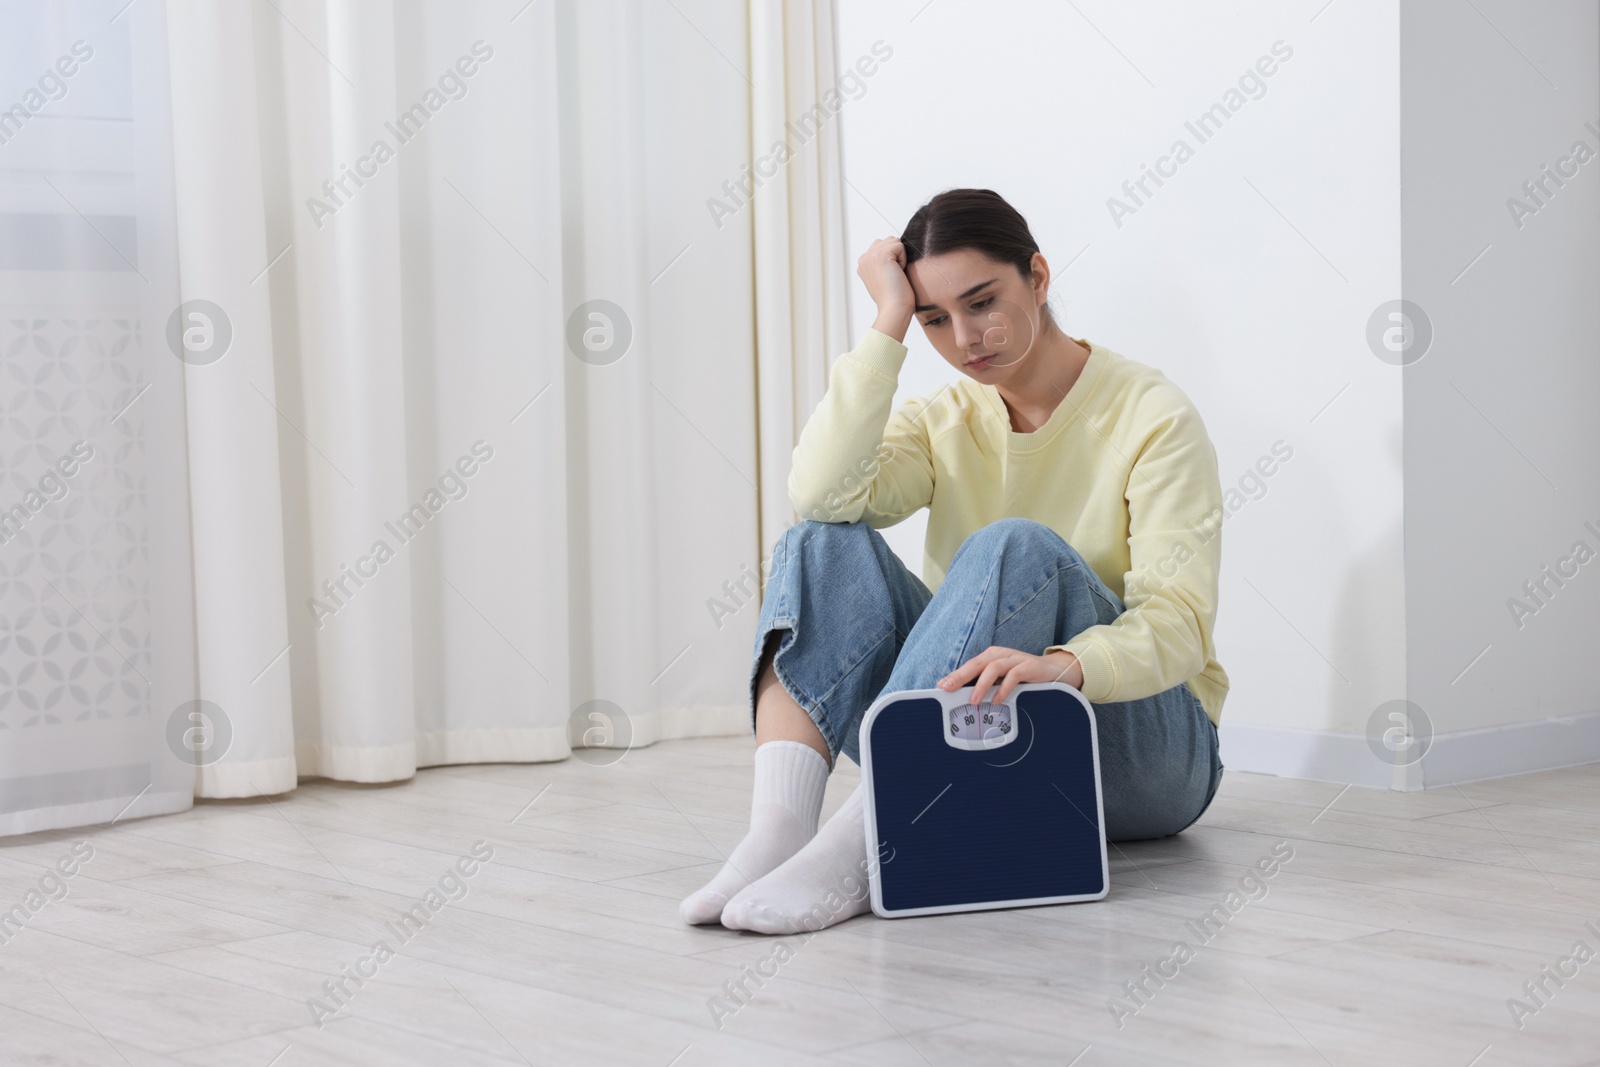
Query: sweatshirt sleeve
[[1163, 636], [856, 459]]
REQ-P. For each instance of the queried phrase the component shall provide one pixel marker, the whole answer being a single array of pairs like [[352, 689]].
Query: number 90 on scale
[[979, 722]]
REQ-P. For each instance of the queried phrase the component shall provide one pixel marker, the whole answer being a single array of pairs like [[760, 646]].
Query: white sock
[[784, 805], [824, 883]]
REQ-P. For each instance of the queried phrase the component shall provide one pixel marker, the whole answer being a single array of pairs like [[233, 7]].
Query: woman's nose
[[969, 334]]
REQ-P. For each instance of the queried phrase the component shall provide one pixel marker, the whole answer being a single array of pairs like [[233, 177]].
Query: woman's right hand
[[882, 268]]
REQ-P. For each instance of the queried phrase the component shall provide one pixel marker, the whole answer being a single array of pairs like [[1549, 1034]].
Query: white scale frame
[[951, 703]]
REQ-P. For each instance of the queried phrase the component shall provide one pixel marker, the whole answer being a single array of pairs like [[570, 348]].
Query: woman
[[1073, 536]]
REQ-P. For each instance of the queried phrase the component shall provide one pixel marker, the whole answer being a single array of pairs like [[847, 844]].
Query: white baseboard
[[1515, 748], [1319, 755], [1463, 756]]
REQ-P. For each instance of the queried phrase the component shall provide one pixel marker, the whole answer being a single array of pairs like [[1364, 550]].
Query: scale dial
[[979, 722]]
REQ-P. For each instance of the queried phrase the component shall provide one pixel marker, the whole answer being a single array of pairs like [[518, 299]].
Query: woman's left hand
[[1011, 668]]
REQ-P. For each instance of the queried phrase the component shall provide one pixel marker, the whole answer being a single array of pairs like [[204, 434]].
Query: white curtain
[[801, 258], [468, 427]]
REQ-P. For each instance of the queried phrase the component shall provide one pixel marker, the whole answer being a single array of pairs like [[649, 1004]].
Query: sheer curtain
[[445, 321], [96, 628]]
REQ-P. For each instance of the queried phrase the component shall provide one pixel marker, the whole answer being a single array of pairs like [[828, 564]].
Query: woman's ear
[[1041, 277]]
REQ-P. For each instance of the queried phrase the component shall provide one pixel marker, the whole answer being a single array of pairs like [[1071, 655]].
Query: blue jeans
[[858, 624]]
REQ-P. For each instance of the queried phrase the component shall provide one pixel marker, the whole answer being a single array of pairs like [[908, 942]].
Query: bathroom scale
[[977, 806]]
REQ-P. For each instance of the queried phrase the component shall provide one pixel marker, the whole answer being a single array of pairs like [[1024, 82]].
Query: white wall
[[1248, 279], [1502, 443]]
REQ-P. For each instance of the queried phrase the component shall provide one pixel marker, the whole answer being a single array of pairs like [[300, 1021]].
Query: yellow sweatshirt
[[1123, 470]]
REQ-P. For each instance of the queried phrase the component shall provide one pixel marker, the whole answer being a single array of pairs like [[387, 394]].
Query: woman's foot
[[785, 803], [822, 884]]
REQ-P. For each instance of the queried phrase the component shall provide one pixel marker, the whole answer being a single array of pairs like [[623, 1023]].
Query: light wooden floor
[[1395, 934]]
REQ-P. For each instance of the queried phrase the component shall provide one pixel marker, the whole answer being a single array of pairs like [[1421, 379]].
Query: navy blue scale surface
[[962, 829]]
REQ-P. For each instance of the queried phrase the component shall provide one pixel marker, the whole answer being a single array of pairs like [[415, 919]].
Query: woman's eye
[[982, 304], [934, 321]]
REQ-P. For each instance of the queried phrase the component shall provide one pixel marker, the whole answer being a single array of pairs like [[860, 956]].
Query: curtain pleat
[[800, 259]]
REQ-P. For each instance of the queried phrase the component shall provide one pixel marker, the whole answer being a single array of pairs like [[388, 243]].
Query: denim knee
[[1014, 526], [806, 529], [1014, 533], [830, 535], [1042, 554]]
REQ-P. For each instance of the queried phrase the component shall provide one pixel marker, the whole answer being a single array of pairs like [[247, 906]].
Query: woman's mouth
[[980, 364]]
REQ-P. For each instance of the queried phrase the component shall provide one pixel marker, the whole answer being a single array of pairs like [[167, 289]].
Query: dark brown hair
[[979, 219]]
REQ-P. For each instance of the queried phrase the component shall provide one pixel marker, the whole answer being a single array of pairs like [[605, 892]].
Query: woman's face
[[980, 313]]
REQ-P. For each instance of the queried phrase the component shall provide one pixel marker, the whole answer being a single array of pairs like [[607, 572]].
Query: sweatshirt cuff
[[880, 352], [1099, 673]]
